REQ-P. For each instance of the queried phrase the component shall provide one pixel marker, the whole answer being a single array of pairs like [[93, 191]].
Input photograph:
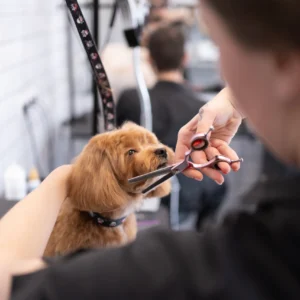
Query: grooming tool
[[198, 143]]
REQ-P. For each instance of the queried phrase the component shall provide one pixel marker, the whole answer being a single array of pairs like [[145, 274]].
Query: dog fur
[[99, 183]]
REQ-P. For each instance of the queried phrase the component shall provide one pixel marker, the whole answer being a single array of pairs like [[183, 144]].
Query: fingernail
[[198, 179], [219, 182]]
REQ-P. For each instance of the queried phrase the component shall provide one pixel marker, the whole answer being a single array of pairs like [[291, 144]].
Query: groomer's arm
[[25, 229]]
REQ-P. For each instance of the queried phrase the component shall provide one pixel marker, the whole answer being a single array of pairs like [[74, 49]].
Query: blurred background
[[48, 104]]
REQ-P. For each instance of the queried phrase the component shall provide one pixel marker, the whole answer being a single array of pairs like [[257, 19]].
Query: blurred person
[[170, 95], [118, 61], [118, 57], [251, 255], [160, 10]]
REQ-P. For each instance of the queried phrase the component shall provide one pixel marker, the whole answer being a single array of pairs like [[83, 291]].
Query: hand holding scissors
[[198, 143]]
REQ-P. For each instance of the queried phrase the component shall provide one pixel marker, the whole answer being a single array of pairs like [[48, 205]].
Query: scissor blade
[[158, 182], [146, 176]]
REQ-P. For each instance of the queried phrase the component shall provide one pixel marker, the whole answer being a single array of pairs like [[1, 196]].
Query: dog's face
[[100, 174], [135, 151]]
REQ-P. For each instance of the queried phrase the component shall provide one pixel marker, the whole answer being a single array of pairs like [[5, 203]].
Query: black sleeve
[[128, 107], [161, 121], [234, 261]]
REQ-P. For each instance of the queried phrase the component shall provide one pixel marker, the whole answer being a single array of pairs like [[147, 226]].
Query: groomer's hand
[[226, 120]]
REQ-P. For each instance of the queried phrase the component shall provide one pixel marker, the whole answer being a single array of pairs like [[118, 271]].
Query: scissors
[[198, 143]]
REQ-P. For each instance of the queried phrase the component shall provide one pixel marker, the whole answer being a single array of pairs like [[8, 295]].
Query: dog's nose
[[161, 152]]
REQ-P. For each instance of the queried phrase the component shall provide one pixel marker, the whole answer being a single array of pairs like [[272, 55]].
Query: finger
[[227, 151], [212, 152], [184, 138], [183, 145], [206, 119], [194, 174], [181, 149], [192, 124], [214, 175], [200, 157]]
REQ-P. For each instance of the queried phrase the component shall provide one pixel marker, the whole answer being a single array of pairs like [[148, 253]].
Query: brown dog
[[99, 211]]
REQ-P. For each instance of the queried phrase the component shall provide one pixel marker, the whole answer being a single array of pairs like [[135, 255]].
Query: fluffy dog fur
[[99, 183]]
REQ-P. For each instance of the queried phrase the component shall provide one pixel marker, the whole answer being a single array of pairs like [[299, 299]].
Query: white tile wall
[[34, 41], [33, 63]]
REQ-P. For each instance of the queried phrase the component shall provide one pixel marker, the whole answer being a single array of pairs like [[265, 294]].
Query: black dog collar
[[106, 222]]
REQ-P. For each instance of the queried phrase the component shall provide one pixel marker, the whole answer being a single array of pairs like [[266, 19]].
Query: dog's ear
[[92, 183]]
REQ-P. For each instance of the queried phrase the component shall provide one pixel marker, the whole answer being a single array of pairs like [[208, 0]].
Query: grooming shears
[[198, 143]]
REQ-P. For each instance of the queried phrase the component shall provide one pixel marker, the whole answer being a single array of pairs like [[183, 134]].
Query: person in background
[[164, 10], [117, 56], [170, 95]]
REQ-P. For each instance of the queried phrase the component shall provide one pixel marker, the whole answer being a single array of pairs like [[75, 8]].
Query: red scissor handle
[[200, 141]]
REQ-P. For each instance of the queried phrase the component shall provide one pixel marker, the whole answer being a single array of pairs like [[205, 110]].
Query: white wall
[[33, 63]]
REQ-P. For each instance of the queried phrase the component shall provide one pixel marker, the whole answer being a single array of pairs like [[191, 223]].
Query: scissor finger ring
[[213, 163], [200, 141], [221, 158]]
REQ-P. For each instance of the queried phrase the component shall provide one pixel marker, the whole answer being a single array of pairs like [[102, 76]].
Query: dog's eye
[[131, 152]]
